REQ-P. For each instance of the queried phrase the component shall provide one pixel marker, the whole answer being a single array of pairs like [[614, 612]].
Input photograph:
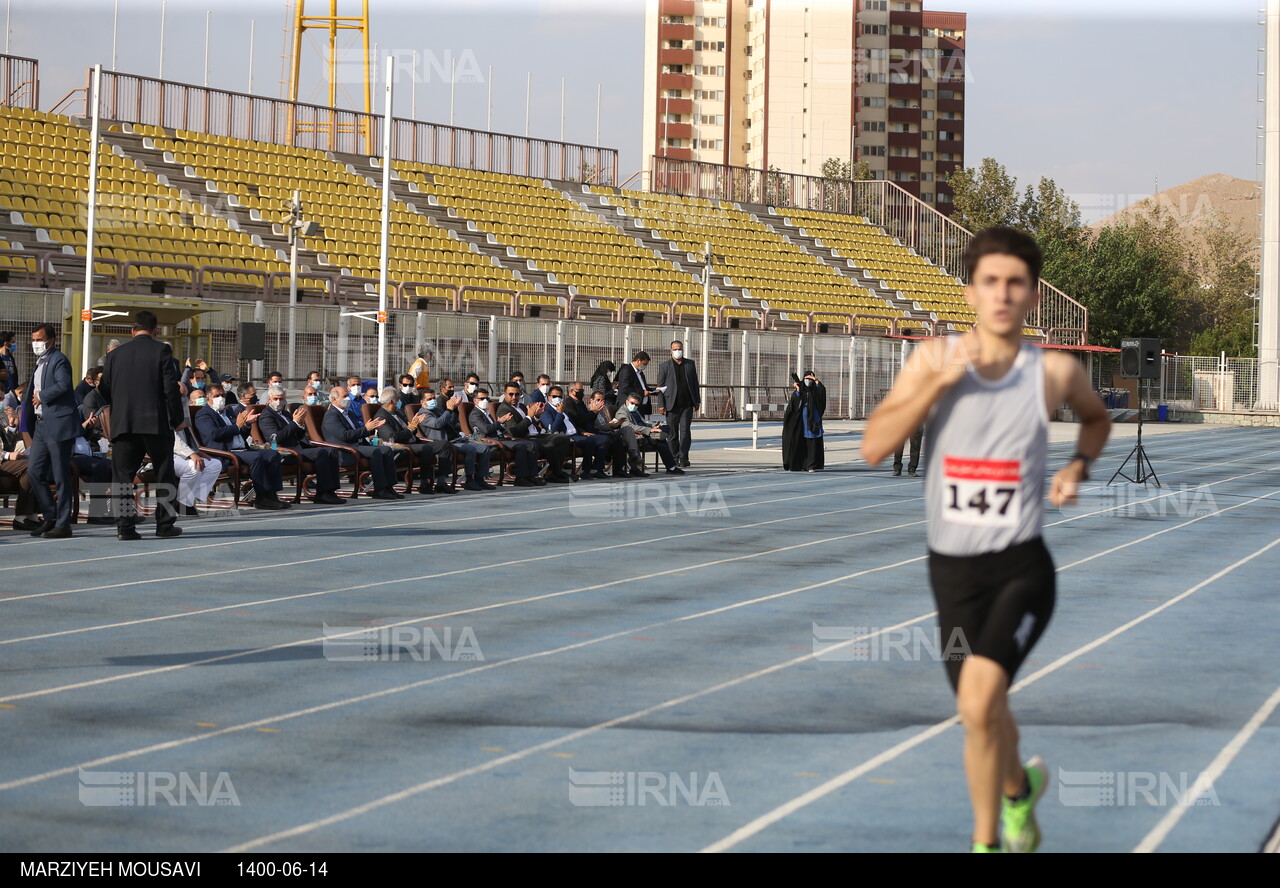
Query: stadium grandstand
[[194, 204]]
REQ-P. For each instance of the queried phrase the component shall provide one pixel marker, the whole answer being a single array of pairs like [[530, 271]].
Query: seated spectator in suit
[[608, 422], [94, 469], [575, 407], [220, 432], [13, 462], [555, 448], [197, 474], [290, 430], [539, 394], [276, 378], [523, 450], [636, 423], [88, 384], [469, 387], [435, 461], [437, 421], [310, 395], [247, 394], [339, 428], [595, 448], [408, 390]]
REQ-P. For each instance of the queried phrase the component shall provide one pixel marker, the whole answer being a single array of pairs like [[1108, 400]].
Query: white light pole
[[453, 86], [86, 314], [164, 10], [207, 16], [295, 223], [706, 312], [562, 109], [115, 34], [488, 117], [384, 256], [253, 24], [528, 94]]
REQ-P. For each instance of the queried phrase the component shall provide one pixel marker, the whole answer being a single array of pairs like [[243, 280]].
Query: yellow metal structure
[[333, 23]]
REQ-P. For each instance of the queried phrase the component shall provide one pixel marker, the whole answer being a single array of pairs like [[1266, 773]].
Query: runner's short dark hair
[[1005, 241]]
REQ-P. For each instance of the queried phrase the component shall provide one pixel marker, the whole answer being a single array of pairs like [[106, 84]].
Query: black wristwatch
[[1087, 460]]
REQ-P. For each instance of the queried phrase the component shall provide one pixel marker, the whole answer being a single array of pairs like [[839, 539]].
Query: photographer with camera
[[802, 447]]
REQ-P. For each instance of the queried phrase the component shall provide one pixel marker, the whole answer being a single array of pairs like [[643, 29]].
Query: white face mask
[[471, 389], [482, 404], [677, 354], [556, 402], [277, 405], [373, 400], [39, 348], [407, 389], [344, 403], [218, 403], [544, 388], [632, 407]]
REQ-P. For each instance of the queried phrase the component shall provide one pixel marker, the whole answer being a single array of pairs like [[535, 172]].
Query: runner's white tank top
[[986, 444]]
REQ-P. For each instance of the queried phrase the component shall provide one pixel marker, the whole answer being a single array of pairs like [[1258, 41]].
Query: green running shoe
[[984, 848], [1019, 833]]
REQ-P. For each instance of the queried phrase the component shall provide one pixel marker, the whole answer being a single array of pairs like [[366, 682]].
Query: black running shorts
[[1000, 603]]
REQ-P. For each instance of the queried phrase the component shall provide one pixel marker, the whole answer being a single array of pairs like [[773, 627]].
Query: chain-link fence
[[735, 367]]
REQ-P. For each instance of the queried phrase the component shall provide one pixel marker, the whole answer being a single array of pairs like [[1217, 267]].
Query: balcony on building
[[675, 81], [676, 106], [905, 41], [675, 56], [677, 130], [904, 91], [676, 7], [904, 115], [904, 140], [674, 32]]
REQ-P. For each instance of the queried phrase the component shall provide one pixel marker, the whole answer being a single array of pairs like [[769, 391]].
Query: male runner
[[987, 397]]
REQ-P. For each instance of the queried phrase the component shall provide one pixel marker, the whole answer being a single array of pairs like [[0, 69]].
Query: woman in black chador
[[802, 448]]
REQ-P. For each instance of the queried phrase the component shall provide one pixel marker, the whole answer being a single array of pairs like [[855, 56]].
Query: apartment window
[[675, 44], [926, 177], [943, 197], [711, 144], [952, 115], [875, 78], [876, 5], [673, 69], [673, 20], [946, 136], [926, 115], [928, 94], [708, 45], [873, 126], [873, 101], [903, 176], [874, 53], [875, 150], [900, 128], [673, 118], [675, 143], [926, 155], [709, 21], [710, 95], [947, 94], [927, 135], [712, 120], [927, 53], [674, 94], [875, 30], [928, 197], [709, 70]]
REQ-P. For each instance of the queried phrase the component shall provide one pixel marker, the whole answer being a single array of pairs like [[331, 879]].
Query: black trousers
[[595, 450], [679, 421], [555, 449], [326, 463], [916, 440], [382, 464], [525, 453], [127, 455], [264, 468]]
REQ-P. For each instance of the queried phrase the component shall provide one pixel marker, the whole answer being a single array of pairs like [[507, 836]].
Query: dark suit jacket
[[212, 430], [520, 427], [582, 418], [338, 432], [629, 382], [485, 426], [667, 377], [271, 422], [397, 427], [60, 408], [139, 384]]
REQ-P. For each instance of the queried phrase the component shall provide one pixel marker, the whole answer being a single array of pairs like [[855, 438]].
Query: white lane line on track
[[487, 766], [766, 820], [1216, 769]]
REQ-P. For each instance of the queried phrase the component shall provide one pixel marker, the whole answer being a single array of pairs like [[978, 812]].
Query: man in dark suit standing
[[631, 381], [140, 383], [678, 378], [51, 413]]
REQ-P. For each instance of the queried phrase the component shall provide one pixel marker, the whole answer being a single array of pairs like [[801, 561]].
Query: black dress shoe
[[57, 533], [269, 502], [39, 529], [168, 533], [330, 498], [539, 482], [27, 524], [639, 473], [684, 463], [426, 488], [897, 472], [101, 520], [128, 535], [446, 488], [599, 475], [384, 495], [557, 479], [675, 470], [524, 482]]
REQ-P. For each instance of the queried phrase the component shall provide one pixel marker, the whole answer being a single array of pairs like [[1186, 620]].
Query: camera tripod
[[1142, 465]]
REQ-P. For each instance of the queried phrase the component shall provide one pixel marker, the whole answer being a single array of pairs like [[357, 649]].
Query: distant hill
[[1192, 204]]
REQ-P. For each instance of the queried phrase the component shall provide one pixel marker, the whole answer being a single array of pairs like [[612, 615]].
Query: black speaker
[[1140, 358], [253, 341]]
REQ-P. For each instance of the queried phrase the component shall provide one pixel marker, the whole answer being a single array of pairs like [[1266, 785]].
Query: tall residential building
[[786, 84]]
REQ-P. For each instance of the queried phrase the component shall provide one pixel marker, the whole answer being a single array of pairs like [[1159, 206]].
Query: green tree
[[984, 196]]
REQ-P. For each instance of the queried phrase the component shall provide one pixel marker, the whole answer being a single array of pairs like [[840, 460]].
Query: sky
[[1109, 98]]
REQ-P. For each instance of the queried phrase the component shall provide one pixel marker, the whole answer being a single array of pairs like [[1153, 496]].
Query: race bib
[[981, 492]]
